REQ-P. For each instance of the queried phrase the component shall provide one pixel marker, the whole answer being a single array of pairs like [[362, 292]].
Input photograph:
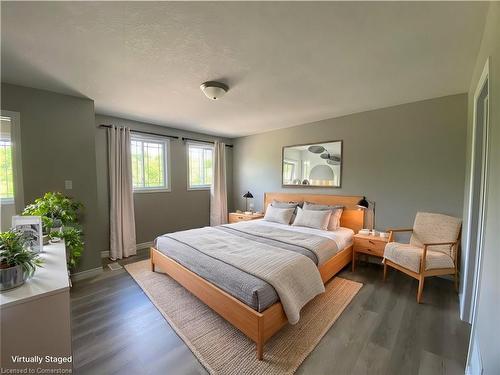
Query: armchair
[[432, 250]]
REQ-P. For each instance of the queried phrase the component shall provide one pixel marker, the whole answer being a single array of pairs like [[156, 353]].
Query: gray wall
[[406, 158], [487, 328], [60, 142], [161, 212], [57, 137]]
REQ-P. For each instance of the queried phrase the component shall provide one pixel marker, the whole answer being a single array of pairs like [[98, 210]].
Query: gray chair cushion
[[409, 257]]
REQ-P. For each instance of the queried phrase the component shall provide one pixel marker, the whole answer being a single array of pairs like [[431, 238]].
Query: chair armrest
[[400, 230], [440, 243], [397, 230], [426, 245]]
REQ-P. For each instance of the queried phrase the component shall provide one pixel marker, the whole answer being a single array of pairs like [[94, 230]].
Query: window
[[200, 171], [150, 158], [288, 171], [6, 162]]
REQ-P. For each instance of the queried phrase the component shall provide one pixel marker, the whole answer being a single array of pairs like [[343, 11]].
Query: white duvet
[[342, 236]]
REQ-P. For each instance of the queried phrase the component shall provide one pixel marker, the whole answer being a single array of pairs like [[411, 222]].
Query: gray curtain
[[218, 192], [121, 214]]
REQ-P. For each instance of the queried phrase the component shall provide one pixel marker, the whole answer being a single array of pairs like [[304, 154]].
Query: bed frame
[[261, 326]]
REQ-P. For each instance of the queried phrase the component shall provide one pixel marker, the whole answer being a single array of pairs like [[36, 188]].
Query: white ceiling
[[286, 63]]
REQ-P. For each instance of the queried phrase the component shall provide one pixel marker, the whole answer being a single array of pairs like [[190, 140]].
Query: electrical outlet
[[68, 184]]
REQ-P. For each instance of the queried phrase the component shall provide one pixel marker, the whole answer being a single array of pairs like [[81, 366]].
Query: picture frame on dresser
[[31, 227]]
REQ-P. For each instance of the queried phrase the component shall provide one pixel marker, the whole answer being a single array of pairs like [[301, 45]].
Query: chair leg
[[420, 288], [385, 271]]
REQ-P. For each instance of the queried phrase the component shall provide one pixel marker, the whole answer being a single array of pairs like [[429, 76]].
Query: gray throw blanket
[[295, 277]]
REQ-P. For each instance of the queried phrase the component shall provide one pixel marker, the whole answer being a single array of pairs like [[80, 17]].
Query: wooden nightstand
[[235, 217], [370, 245]]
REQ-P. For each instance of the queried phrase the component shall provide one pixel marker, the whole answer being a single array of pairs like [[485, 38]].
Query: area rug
[[220, 347]]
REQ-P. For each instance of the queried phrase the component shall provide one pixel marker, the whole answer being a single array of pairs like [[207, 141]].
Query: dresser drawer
[[369, 246]]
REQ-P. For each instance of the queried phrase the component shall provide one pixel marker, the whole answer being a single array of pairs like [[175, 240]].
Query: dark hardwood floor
[[117, 330]]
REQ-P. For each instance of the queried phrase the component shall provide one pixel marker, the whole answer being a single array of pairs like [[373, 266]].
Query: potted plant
[[72, 236], [56, 210], [60, 220], [17, 263]]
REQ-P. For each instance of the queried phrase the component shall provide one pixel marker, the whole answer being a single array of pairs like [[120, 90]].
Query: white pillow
[[336, 210], [279, 215], [312, 219]]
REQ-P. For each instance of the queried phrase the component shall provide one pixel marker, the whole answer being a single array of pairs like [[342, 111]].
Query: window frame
[[294, 165], [17, 166], [199, 145], [167, 188]]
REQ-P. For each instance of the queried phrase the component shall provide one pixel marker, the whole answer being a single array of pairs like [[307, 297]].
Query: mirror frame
[[283, 185]]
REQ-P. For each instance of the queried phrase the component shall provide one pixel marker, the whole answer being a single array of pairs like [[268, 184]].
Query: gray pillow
[[280, 204], [279, 215], [335, 209], [318, 219]]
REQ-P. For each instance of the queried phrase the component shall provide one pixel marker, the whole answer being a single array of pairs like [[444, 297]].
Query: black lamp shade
[[248, 195], [363, 203]]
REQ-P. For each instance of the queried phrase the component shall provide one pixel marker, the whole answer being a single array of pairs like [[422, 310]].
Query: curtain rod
[[198, 140], [142, 132]]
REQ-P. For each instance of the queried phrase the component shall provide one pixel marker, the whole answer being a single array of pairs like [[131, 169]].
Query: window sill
[[140, 191], [195, 188], [6, 201]]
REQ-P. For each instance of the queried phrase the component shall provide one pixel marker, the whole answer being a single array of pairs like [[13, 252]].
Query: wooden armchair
[[432, 250]]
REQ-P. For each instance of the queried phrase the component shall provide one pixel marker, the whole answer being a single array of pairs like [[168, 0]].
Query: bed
[[256, 305]]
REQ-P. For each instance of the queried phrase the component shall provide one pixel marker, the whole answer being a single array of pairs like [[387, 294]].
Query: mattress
[[254, 292]]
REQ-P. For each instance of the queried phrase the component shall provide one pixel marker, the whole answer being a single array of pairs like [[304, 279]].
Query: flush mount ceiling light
[[214, 90]]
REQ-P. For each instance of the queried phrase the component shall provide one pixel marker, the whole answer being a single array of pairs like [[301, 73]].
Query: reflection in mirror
[[310, 165]]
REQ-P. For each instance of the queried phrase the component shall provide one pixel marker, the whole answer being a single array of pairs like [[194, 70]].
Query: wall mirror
[[312, 165]]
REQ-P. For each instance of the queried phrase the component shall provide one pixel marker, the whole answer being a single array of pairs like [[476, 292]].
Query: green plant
[[54, 208], [74, 243], [14, 253]]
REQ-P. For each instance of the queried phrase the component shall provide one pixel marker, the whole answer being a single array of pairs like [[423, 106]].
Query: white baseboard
[[86, 274], [144, 245]]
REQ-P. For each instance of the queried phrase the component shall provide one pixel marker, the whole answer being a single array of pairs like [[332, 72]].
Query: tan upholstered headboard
[[352, 217]]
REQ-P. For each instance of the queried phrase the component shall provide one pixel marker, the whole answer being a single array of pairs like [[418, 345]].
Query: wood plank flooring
[[117, 330]]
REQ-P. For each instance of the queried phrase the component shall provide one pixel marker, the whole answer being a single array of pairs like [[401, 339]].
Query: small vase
[[12, 277]]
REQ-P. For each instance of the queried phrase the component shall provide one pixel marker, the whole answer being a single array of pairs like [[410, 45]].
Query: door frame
[[473, 357]]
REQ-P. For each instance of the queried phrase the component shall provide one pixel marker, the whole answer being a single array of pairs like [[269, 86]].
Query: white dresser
[[36, 317]]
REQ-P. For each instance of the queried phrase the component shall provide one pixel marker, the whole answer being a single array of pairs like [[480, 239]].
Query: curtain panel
[[218, 191], [121, 215]]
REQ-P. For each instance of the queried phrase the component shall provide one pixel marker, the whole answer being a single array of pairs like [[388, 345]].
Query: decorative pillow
[[294, 205], [279, 215], [312, 218], [335, 216]]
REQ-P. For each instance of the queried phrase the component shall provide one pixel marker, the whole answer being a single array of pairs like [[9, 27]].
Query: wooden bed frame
[[261, 326]]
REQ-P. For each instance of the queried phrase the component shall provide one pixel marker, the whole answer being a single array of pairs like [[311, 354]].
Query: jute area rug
[[220, 347]]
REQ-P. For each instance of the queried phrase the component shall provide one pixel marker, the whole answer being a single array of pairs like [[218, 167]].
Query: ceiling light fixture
[[214, 90]]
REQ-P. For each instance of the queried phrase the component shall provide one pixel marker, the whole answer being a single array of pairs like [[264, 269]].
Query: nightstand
[[235, 217], [370, 245]]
